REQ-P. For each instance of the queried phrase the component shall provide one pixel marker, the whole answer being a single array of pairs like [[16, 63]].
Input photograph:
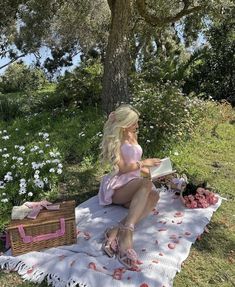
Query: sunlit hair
[[123, 117]]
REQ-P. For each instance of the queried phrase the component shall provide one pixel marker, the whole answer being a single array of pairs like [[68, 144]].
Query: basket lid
[[66, 210]]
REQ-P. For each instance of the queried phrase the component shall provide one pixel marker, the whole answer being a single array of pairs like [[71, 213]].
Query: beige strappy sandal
[[129, 253], [109, 246]]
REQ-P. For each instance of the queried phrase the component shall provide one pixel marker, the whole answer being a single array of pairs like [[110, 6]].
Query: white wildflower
[[5, 137], [51, 170], [59, 170], [39, 183], [30, 194], [4, 200], [6, 155], [8, 176], [21, 148], [45, 135]]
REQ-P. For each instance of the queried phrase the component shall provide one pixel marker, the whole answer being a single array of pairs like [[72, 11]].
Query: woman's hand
[[151, 162]]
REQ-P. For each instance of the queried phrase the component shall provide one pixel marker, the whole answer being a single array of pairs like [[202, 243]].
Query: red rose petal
[[179, 214], [161, 254], [171, 245], [92, 266], [173, 236], [187, 233], [162, 229], [155, 261], [144, 285]]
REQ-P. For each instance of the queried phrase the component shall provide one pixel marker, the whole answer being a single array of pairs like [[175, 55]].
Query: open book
[[165, 168]]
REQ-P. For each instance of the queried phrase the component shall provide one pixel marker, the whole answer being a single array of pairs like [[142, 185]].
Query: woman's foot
[[109, 244], [126, 254]]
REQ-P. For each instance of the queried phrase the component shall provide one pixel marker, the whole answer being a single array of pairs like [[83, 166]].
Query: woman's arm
[[124, 167], [142, 165]]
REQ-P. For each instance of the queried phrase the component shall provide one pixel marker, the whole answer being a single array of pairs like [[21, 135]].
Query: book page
[[163, 169]]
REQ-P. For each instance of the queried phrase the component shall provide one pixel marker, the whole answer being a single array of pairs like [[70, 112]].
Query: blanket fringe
[[35, 275]]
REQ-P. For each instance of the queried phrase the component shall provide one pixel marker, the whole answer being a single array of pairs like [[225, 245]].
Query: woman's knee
[[153, 197], [147, 185]]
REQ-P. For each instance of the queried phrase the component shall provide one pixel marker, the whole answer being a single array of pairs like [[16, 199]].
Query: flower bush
[[165, 114], [28, 172]]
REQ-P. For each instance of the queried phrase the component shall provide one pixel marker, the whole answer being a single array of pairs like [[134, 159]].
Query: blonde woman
[[125, 185]]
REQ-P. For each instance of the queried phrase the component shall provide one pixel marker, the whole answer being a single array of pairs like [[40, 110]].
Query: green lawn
[[209, 155]]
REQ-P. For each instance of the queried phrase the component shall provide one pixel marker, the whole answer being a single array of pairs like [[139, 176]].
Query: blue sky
[[30, 59]]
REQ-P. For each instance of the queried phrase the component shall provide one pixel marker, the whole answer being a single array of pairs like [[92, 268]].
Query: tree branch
[[12, 61], [157, 21]]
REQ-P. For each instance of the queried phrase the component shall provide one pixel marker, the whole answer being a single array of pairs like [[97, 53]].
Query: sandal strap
[[130, 226], [131, 254]]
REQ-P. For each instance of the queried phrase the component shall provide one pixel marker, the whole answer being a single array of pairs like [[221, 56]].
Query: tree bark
[[117, 59]]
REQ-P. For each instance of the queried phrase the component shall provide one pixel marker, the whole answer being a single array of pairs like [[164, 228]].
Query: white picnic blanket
[[169, 226]]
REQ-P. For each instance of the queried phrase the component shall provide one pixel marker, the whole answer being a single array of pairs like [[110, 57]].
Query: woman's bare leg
[[141, 204], [124, 195]]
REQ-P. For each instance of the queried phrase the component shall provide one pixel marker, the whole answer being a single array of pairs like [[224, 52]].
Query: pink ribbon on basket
[[29, 239], [38, 206]]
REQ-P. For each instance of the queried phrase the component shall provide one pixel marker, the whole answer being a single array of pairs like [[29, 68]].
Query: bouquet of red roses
[[198, 198]]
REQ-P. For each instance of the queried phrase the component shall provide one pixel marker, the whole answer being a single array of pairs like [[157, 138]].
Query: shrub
[[165, 115], [9, 108], [82, 86], [28, 172], [19, 77]]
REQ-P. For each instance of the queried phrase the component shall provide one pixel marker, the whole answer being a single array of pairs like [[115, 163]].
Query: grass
[[208, 155]]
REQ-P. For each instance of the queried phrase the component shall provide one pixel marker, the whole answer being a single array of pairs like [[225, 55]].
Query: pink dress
[[131, 153]]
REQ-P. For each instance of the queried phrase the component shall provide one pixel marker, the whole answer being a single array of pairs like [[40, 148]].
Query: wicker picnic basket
[[51, 228]]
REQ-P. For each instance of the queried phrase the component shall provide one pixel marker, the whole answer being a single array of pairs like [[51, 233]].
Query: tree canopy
[[123, 33]]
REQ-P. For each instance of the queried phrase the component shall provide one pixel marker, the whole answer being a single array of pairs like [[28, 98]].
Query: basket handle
[[28, 238]]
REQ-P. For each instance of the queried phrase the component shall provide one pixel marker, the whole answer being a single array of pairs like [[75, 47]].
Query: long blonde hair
[[123, 117]]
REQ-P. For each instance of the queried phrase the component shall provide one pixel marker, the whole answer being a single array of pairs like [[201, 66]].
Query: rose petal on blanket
[[178, 214], [117, 274], [173, 236], [155, 212], [87, 235], [155, 261], [92, 266], [162, 229], [179, 222], [187, 233], [161, 254], [171, 245], [144, 285]]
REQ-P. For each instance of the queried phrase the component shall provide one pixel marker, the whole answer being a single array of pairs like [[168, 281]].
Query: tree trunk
[[117, 59]]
